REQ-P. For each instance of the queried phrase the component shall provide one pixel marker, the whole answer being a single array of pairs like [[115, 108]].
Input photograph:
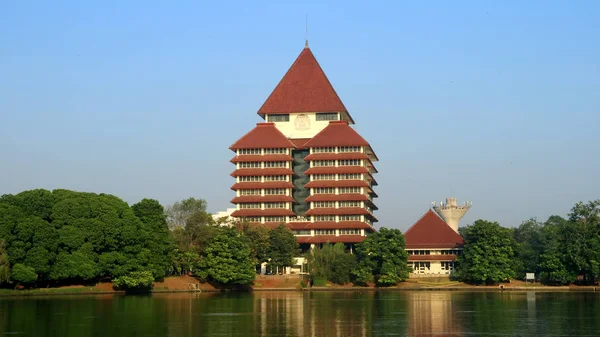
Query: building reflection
[[432, 314]]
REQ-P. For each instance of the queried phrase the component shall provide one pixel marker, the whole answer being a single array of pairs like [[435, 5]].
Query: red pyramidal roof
[[304, 88], [337, 133], [264, 135], [432, 232]]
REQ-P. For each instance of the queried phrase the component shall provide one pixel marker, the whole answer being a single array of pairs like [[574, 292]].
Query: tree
[[331, 262], [227, 259], [529, 238], [553, 263], [137, 280], [283, 247], [23, 274], [382, 258], [4, 264], [582, 244], [180, 211], [259, 237], [488, 254]]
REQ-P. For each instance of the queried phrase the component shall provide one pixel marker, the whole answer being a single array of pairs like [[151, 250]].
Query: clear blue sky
[[496, 102]]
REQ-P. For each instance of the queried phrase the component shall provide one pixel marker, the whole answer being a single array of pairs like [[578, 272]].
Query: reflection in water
[[336, 313]]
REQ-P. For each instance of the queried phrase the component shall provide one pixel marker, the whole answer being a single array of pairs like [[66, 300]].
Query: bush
[[23, 274], [319, 282], [137, 280]]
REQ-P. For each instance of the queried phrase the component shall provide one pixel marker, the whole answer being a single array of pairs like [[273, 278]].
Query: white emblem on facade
[[302, 122]]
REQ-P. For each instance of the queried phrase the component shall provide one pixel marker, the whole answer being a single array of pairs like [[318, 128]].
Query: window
[[301, 231], [275, 164], [275, 178], [250, 164], [323, 177], [276, 151], [250, 192], [275, 205], [347, 204], [251, 219], [250, 205], [323, 150], [324, 190], [279, 118], [353, 190], [318, 163], [249, 151], [327, 116], [349, 162], [250, 179], [349, 217], [274, 219], [448, 266], [275, 191], [323, 204], [324, 231], [321, 218], [349, 149], [349, 231], [350, 176], [419, 252]]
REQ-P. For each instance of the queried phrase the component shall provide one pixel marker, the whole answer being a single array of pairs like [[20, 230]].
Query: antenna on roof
[[306, 43]]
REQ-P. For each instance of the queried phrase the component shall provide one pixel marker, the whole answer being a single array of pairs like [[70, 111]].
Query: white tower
[[451, 212]]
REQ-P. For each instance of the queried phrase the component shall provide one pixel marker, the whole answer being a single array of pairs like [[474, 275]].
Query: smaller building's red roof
[[257, 185], [263, 136], [338, 197], [331, 239], [262, 172], [338, 211], [338, 156], [258, 198], [337, 133], [262, 212], [432, 257], [256, 157], [430, 231], [338, 169]]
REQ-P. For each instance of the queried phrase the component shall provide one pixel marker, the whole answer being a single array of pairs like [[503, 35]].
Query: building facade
[[305, 165], [432, 246]]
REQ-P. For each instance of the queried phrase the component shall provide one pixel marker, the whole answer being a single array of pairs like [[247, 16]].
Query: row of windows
[[318, 218], [331, 204], [276, 178], [349, 217], [268, 164], [324, 231], [250, 179], [257, 205], [321, 163], [331, 190], [267, 178], [331, 218], [250, 192], [344, 149], [345, 162], [344, 190], [266, 151], [279, 118], [323, 177], [268, 191], [327, 116], [344, 176], [251, 205], [267, 219]]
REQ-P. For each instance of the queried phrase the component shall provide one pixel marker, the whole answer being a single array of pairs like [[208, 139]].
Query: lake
[[319, 313]]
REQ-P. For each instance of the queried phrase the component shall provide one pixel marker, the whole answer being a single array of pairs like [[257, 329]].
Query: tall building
[[305, 166]]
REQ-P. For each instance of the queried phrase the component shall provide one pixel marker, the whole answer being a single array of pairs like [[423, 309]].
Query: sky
[[494, 102]]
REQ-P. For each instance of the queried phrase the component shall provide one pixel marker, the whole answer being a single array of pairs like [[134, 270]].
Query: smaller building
[[432, 246]]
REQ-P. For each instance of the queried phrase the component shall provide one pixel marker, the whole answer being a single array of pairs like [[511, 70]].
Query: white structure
[[451, 212], [224, 215]]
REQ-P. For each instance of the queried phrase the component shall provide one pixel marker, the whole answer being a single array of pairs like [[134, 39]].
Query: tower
[[306, 166], [451, 212]]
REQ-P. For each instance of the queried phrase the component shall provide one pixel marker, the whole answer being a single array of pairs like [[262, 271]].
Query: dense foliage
[[382, 258], [331, 263], [283, 247], [4, 264], [488, 254], [137, 280], [67, 237]]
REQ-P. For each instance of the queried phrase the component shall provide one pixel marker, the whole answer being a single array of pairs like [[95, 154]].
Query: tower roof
[[264, 135], [337, 133], [430, 231], [304, 88]]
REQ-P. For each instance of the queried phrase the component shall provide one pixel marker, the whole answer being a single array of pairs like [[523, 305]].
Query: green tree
[[488, 254], [4, 264], [331, 262], [227, 259], [23, 274], [138, 280], [260, 243], [178, 213], [553, 263], [582, 240], [283, 247], [382, 258], [530, 246]]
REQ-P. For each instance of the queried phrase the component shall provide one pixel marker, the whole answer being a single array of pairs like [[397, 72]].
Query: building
[[432, 246], [306, 166], [451, 212]]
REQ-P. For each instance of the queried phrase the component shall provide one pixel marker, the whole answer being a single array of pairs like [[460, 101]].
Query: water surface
[[385, 313]]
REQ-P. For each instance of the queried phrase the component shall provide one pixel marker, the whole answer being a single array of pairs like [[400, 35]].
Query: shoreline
[[41, 293]]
